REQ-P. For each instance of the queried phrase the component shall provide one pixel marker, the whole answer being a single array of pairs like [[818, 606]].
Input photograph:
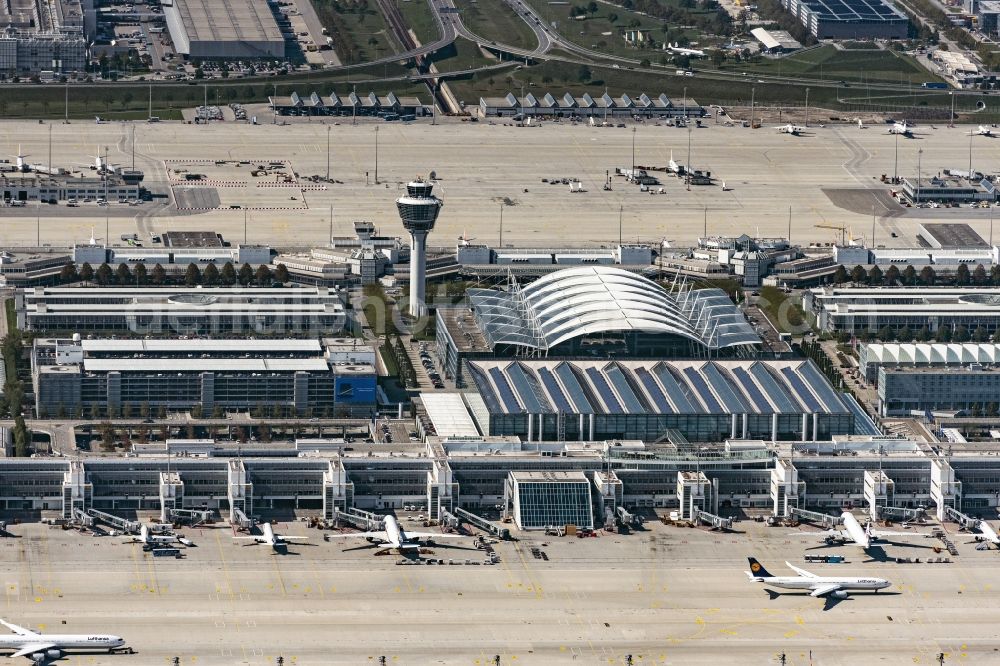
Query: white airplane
[[982, 130], [680, 50], [268, 537], [794, 130], [901, 128], [392, 536], [25, 642], [837, 587], [147, 538], [20, 163], [987, 533], [854, 533], [861, 125], [673, 166]]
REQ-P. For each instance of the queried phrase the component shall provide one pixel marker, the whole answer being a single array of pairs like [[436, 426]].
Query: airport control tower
[[419, 211]]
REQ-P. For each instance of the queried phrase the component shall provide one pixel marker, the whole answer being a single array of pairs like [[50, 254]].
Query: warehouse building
[[232, 30], [271, 311], [71, 375], [700, 401], [875, 355], [592, 310], [855, 309], [849, 19], [902, 391]]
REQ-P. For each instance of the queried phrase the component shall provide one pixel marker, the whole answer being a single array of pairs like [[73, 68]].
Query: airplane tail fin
[[757, 569]]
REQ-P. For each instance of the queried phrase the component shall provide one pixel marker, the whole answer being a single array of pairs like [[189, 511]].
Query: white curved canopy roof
[[597, 299]]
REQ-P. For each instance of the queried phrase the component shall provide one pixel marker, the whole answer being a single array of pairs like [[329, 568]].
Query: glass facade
[[539, 502]]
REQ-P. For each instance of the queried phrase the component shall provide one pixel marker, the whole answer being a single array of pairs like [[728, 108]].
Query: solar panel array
[[655, 387]]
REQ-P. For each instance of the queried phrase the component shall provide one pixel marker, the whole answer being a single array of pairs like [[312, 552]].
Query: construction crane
[[841, 228]]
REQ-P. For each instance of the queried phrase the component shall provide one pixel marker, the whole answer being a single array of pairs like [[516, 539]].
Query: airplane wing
[[362, 535], [31, 649], [801, 572], [434, 535], [823, 590], [293, 538], [20, 631], [880, 534]]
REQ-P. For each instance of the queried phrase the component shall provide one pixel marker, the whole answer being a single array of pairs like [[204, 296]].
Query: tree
[[927, 276], [103, 275], [86, 272], [718, 57], [886, 334], [995, 275], [891, 275], [245, 275], [22, 438], [979, 276], [228, 276], [263, 276], [943, 334], [196, 412], [122, 274], [904, 334], [159, 275], [840, 276], [68, 273], [858, 274], [264, 432], [644, 63], [192, 276], [924, 334], [210, 276], [980, 334], [144, 409], [612, 17], [281, 274], [962, 276], [875, 275], [961, 334], [199, 73], [909, 275], [583, 74]]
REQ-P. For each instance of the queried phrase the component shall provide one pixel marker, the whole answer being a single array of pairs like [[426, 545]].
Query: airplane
[[269, 538], [25, 642], [673, 166], [464, 239], [861, 125], [794, 130], [680, 50], [149, 539], [901, 128], [831, 587], [987, 533], [982, 130], [392, 537], [22, 166], [854, 533]]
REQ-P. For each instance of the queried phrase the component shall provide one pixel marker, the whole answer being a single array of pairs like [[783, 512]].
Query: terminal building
[[72, 375], [602, 107], [855, 309], [269, 311], [39, 37], [849, 19], [698, 401], [888, 476], [232, 30], [62, 187], [591, 311]]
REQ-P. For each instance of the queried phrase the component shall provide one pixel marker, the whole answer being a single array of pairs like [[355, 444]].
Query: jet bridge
[[902, 513], [239, 491], [483, 524], [123, 524], [626, 518], [816, 517], [717, 522], [964, 521], [365, 521], [171, 493], [193, 517], [81, 518], [240, 519]]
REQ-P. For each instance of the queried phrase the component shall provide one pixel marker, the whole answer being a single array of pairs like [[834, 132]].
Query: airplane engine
[[840, 594], [46, 657]]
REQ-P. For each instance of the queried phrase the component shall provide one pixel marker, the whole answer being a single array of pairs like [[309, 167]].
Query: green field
[[460, 55], [496, 21], [829, 63], [358, 29], [417, 14]]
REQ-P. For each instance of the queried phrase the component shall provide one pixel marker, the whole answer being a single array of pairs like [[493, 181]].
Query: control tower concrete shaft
[[418, 211]]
